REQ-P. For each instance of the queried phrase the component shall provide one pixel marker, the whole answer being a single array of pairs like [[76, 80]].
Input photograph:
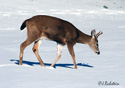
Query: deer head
[[93, 43]]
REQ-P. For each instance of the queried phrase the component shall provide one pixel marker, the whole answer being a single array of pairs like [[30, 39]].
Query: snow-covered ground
[[92, 68]]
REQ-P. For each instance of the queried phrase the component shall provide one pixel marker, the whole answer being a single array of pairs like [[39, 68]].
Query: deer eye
[[97, 45]]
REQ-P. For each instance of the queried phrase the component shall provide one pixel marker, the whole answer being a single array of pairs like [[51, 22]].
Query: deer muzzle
[[98, 52]]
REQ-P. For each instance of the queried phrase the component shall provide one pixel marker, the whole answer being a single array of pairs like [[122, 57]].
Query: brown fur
[[58, 30]]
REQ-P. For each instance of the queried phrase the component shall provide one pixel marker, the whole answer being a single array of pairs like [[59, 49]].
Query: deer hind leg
[[59, 48], [71, 51], [22, 47], [35, 50]]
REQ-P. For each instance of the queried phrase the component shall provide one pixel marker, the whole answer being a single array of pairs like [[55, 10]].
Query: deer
[[41, 27]]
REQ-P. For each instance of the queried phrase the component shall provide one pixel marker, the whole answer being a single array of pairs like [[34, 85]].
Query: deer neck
[[83, 38]]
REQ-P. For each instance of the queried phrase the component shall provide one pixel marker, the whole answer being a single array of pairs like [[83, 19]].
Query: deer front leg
[[59, 47], [35, 50], [71, 51]]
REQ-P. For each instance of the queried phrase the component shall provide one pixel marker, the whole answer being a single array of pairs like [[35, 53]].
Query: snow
[[92, 68]]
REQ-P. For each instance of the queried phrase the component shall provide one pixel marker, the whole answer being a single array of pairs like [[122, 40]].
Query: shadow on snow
[[48, 64]]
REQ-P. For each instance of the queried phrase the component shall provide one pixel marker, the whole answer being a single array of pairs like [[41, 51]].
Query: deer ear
[[93, 32]]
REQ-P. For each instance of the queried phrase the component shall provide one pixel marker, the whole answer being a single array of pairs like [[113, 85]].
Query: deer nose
[[98, 52]]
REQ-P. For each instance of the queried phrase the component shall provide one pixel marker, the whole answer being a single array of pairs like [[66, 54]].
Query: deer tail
[[23, 25]]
